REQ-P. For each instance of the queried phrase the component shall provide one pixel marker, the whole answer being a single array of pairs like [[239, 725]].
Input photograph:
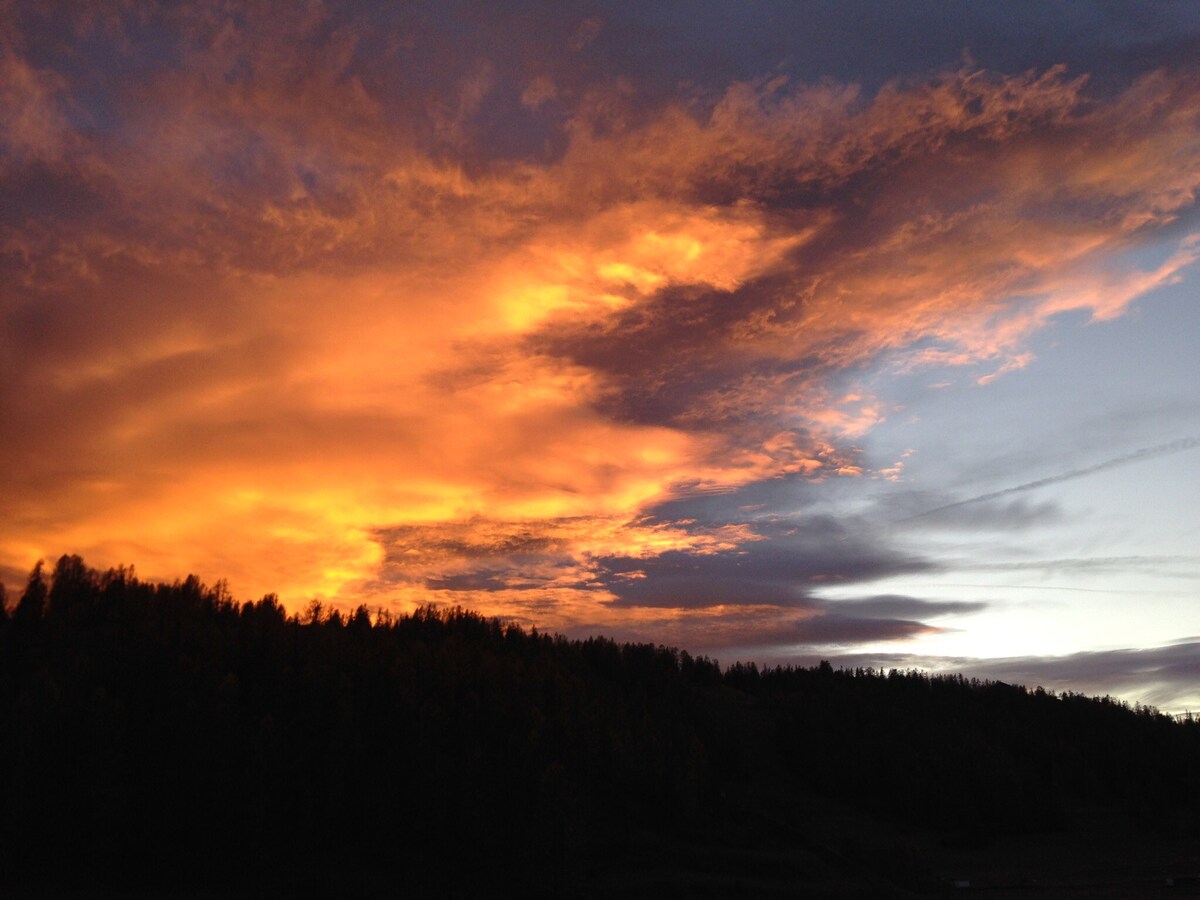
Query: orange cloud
[[302, 310]]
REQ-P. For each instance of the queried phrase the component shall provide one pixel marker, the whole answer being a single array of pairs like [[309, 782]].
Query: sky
[[771, 331]]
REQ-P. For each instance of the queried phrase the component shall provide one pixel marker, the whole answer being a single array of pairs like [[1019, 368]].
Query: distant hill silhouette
[[165, 738]]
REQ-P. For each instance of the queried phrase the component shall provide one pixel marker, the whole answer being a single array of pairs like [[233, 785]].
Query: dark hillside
[[166, 739]]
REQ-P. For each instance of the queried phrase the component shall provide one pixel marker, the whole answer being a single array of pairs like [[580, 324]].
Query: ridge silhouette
[[167, 738]]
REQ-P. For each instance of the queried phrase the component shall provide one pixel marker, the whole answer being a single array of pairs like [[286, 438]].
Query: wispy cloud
[[1161, 564], [1142, 455], [402, 307]]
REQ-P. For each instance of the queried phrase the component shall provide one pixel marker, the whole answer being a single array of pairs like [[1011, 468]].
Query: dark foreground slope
[[165, 739]]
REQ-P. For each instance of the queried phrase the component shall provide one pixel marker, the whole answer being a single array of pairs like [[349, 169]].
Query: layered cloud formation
[[323, 304]]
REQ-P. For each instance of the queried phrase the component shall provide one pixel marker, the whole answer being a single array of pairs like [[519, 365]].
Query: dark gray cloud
[[882, 617], [773, 500], [836, 629], [908, 607], [762, 634], [675, 354], [663, 44], [793, 559]]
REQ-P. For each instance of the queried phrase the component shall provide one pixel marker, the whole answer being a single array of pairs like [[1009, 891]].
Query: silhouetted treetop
[[170, 731]]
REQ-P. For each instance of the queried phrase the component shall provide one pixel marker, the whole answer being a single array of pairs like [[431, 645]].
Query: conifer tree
[[32, 605]]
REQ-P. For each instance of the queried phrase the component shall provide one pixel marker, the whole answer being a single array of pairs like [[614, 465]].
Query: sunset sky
[[774, 331]]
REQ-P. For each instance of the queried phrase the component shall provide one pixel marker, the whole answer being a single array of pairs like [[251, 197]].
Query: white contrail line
[[1176, 446]]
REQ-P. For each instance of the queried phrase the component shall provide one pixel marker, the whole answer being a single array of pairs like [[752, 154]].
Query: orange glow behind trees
[[294, 326]]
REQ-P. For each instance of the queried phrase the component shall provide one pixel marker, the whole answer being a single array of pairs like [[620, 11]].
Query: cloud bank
[[313, 302]]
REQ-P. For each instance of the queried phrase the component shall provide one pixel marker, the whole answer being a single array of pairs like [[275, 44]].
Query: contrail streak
[[1177, 446]]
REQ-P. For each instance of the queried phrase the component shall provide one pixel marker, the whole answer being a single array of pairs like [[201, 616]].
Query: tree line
[[166, 734]]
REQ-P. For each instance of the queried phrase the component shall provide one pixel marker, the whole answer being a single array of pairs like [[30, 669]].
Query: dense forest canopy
[[168, 734]]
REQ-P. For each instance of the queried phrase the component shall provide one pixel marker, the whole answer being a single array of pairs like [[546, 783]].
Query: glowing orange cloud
[[304, 314]]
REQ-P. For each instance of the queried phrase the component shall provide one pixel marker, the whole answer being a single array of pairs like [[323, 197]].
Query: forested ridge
[[159, 736]]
